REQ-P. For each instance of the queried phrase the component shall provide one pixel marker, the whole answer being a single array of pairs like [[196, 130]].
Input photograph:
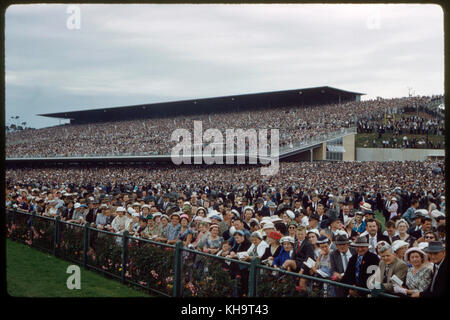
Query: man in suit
[[339, 259], [438, 286], [389, 266], [303, 250], [261, 209], [373, 237], [356, 273]]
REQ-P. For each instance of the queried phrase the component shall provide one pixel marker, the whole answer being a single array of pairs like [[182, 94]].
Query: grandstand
[[314, 124]]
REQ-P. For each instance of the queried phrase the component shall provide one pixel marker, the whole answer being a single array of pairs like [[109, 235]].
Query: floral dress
[[419, 281]]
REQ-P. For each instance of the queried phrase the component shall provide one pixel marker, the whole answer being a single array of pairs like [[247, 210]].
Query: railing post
[[85, 243], [55, 234], [177, 269], [124, 255], [252, 277], [31, 227]]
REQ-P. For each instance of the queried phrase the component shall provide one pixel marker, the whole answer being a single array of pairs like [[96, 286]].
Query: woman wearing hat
[[186, 233], [173, 229], [393, 208], [292, 229], [203, 232], [323, 263], [286, 251], [312, 236], [360, 224], [402, 228], [274, 248], [213, 241], [163, 224], [349, 226], [418, 277], [258, 247], [201, 211], [399, 248]]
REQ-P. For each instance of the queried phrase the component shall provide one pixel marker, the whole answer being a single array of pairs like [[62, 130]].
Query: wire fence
[[163, 269]]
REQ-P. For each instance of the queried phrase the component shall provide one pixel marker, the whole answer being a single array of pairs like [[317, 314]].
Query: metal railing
[[160, 268]]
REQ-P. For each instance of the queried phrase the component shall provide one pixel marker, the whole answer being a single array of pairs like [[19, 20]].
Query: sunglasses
[[291, 227], [429, 237]]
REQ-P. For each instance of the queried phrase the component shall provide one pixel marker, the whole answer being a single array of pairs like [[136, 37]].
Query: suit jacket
[[441, 282], [380, 237], [349, 277], [398, 267], [337, 266], [336, 261], [302, 253], [263, 211]]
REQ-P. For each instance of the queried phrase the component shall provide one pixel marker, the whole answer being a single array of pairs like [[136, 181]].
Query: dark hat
[[341, 239], [322, 239], [260, 200], [434, 246], [314, 216], [360, 242]]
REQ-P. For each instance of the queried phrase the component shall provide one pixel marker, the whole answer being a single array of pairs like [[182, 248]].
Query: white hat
[[233, 211], [76, 205], [269, 225], [394, 199], [249, 208], [135, 214], [255, 220], [397, 244], [315, 231], [401, 221], [232, 230], [120, 209], [275, 218], [146, 206], [421, 212], [257, 235], [198, 218], [289, 239], [366, 206], [131, 211], [156, 214], [414, 249], [422, 245], [436, 213], [266, 220], [290, 214]]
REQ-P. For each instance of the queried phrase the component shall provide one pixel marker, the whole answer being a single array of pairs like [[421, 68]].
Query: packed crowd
[[152, 136], [403, 124], [393, 131], [312, 218]]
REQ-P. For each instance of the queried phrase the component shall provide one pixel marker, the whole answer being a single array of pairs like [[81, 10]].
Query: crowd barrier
[[160, 268]]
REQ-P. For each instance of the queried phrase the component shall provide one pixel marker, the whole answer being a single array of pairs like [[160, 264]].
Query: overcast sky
[[134, 54]]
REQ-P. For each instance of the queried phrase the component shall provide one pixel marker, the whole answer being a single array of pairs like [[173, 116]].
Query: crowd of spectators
[[394, 130], [152, 136], [312, 218]]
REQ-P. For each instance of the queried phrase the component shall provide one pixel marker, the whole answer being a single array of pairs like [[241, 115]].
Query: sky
[[65, 58]]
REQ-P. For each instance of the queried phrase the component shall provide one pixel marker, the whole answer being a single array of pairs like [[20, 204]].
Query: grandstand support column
[[311, 153]]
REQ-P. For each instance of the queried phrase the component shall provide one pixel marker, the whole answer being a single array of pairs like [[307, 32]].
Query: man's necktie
[[436, 269], [386, 271], [358, 264], [344, 261]]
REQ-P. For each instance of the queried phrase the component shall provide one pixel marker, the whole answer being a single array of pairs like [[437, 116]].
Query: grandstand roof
[[252, 101]]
